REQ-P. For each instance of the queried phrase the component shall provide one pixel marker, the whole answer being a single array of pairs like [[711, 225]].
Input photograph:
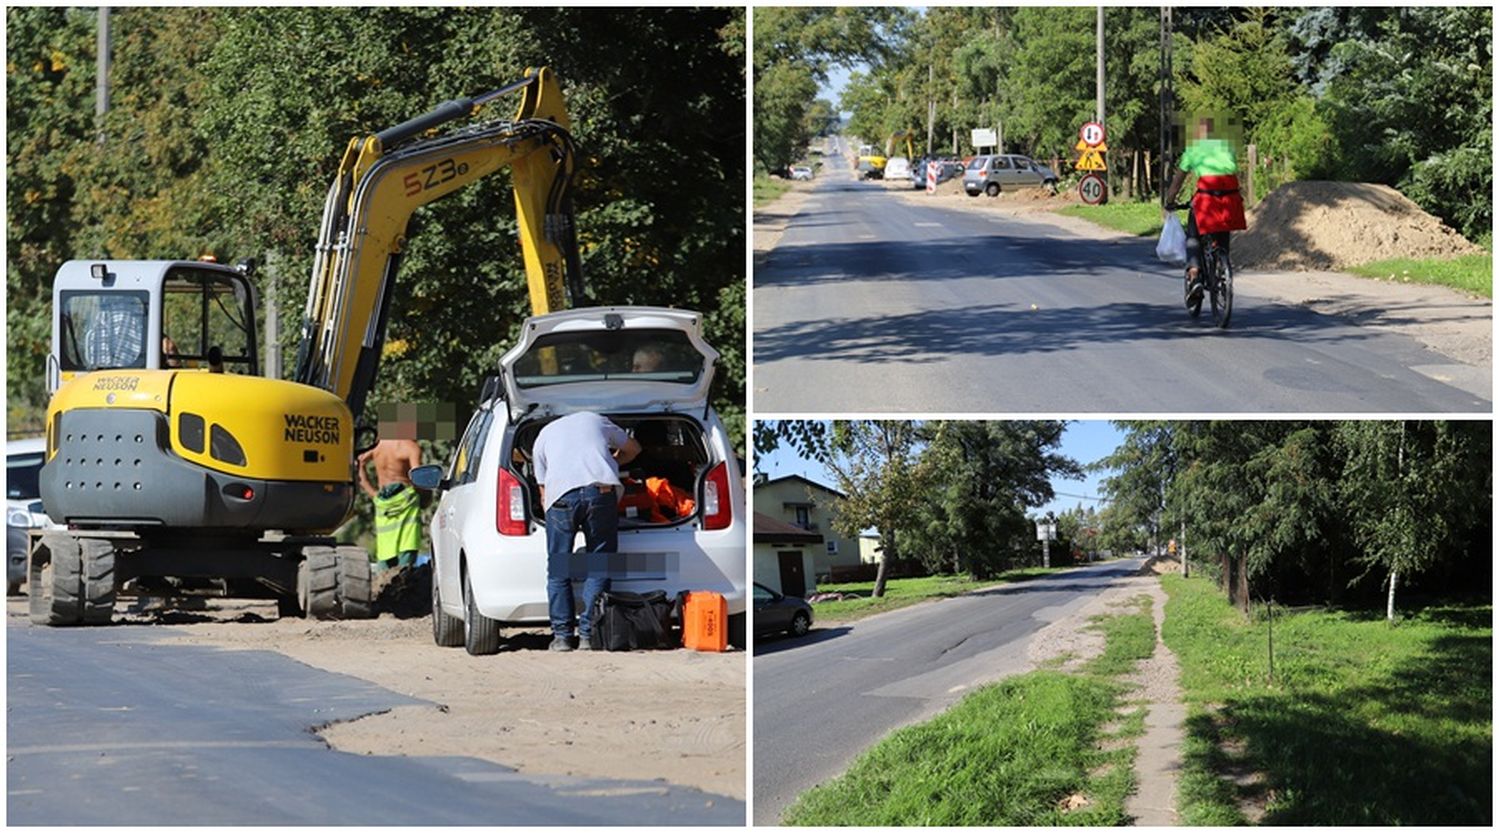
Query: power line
[[1083, 497]]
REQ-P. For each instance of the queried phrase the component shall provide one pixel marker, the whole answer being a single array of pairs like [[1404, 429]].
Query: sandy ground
[[771, 218], [678, 716]]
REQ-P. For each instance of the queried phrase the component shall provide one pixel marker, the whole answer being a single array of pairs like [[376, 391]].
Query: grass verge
[[1142, 219], [1469, 273], [1022, 752], [1366, 724], [768, 189], [904, 592]]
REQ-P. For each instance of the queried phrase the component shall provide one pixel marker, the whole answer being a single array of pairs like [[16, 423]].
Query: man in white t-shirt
[[577, 459]]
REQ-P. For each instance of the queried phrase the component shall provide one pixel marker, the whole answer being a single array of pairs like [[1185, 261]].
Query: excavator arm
[[384, 178], [892, 144]]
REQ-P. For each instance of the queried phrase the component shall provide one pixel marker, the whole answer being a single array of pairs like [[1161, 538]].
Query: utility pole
[[931, 108], [101, 72], [1099, 108], [1166, 101], [273, 263]]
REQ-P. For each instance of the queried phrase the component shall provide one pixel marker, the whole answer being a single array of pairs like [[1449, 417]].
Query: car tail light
[[718, 510], [510, 506]]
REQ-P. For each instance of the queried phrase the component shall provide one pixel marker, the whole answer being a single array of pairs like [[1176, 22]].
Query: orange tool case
[[705, 621]]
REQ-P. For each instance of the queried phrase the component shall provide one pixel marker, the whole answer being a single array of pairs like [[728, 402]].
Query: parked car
[[897, 168], [23, 505], [948, 168], [776, 613], [801, 172], [489, 529], [994, 173]]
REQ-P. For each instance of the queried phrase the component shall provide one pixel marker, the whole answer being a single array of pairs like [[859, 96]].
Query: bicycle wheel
[[1221, 287]]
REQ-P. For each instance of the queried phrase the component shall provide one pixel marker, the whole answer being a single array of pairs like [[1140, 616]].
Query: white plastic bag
[[1173, 245]]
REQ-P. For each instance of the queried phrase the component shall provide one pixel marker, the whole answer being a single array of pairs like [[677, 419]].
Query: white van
[[897, 168], [489, 530]]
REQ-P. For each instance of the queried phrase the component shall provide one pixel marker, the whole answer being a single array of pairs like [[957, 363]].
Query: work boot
[[585, 643], [560, 643]]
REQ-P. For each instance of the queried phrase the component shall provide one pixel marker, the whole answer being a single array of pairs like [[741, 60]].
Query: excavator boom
[[385, 177]]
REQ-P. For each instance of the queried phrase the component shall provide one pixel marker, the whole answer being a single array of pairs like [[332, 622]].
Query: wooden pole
[[1249, 175]]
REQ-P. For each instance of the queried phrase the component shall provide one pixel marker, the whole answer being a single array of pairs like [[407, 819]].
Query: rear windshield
[[977, 163], [21, 473], [635, 355]]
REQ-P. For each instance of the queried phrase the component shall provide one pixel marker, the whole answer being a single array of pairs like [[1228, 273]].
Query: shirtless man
[[398, 510]]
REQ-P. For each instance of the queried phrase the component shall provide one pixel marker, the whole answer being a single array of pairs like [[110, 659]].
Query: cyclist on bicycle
[[1217, 208]]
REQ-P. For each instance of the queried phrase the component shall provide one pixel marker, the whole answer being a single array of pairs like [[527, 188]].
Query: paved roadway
[[871, 303], [822, 699], [106, 727]]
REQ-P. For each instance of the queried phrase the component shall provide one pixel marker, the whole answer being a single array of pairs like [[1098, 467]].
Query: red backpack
[[1218, 205]]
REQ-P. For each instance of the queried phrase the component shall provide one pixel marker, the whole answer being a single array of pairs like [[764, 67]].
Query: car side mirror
[[427, 477]]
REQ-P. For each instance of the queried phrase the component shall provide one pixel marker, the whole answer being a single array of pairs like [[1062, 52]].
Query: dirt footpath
[[678, 716]]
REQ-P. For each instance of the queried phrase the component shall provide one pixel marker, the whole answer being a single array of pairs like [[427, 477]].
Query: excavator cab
[[150, 315]]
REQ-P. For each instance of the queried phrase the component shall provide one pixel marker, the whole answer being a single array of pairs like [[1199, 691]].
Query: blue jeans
[[595, 513]]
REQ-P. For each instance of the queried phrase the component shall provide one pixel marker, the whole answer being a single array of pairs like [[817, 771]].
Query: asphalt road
[[822, 699], [871, 303], [105, 727]]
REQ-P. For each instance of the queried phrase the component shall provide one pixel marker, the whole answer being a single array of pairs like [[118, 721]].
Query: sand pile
[[1334, 225]]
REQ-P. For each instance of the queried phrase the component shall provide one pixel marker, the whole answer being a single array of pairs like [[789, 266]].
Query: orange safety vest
[[671, 499]]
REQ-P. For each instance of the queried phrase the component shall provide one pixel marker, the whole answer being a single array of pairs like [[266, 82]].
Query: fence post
[[1249, 175]]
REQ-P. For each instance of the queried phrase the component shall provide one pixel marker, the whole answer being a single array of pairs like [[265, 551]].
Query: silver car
[[999, 172], [23, 505]]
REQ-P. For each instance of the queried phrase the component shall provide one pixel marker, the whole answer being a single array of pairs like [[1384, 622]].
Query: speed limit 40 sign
[[1093, 189]]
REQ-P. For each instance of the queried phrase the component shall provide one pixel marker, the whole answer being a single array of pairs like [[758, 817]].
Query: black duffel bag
[[624, 621]]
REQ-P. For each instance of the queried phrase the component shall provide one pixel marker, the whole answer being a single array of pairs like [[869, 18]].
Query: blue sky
[[833, 89], [1084, 441]]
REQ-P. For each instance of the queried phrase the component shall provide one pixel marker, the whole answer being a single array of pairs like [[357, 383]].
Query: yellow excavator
[[892, 144], [178, 471]]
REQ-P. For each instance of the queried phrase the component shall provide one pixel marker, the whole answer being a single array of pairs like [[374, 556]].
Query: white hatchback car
[[23, 505], [649, 370]]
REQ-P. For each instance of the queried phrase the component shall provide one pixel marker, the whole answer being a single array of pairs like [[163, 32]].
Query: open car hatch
[[609, 359]]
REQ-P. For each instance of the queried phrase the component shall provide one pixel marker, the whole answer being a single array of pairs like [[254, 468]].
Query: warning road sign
[[1093, 189], [1091, 160]]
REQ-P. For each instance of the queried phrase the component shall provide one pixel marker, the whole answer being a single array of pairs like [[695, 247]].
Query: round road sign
[[1091, 134], [1093, 189]]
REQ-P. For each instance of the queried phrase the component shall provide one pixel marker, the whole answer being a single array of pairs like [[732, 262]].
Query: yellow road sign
[[1091, 160], [1084, 147]]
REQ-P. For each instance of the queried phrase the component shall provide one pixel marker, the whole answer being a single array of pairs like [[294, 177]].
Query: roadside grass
[[1142, 219], [1366, 724], [1009, 754], [1469, 273], [904, 592], [768, 189]]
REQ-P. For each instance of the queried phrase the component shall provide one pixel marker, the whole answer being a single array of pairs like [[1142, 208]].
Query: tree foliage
[[1312, 508], [227, 124], [950, 495], [884, 478], [794, 49], [988, 474], [1400, 96]]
